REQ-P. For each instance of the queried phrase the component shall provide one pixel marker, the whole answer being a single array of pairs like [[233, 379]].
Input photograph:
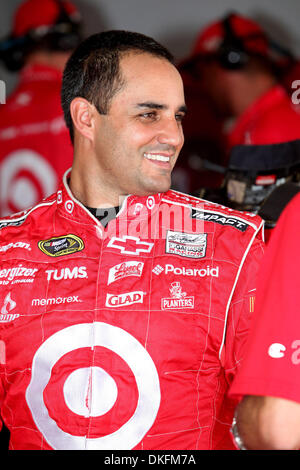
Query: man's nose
[[171, 133]]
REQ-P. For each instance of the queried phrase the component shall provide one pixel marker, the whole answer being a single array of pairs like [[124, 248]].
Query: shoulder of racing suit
[[27, 216], [198, 209], [215, 213]]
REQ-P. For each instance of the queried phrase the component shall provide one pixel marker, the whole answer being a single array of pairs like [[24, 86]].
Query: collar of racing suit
[[132, 207]]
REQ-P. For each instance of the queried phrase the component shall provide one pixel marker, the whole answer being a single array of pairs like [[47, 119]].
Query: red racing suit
[[272, 359], [126, 337], [35, 147], [271, 119]]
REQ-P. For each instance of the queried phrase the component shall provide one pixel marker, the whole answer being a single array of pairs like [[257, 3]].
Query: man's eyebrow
[[151, 105], [183, 109]]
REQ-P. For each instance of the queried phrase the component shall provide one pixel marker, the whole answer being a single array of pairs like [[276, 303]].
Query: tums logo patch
[[66, 273]]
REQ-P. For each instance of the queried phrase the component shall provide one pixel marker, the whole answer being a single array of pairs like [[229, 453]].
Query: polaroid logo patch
[[221, 219], [183, 271], [187, 245]]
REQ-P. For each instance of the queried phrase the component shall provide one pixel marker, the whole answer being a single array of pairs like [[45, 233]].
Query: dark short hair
[[93, 72]]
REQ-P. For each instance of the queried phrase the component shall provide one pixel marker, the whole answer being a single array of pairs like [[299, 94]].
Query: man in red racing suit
[[127, 333], [118, 338]]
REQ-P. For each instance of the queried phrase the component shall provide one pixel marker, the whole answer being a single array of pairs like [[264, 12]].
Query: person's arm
[[268, 423]]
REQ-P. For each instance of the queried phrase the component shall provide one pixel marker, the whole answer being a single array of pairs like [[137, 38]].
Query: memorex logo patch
[[127, 298], [188, 245], [66, 273], [122, 270], [55, 300], [19, 274], [178, 300], [183, 271]]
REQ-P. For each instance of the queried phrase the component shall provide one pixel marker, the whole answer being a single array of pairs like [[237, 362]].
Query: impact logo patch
[[220, 219], [60, 246]]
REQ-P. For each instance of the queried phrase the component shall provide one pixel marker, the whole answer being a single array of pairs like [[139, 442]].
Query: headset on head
[[63, 35], [232, 53]]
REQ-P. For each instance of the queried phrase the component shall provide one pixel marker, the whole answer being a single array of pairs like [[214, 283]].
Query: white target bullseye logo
[[104, 391], [25, 178], [150, 202]]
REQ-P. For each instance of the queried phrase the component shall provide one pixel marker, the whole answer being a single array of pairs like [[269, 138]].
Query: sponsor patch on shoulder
[[188, 245], [12, 222], [60, 246], [221, 219]]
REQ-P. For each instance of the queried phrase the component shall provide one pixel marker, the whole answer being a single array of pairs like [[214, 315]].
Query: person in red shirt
[[238, 68], [268, 381], [35, 148]]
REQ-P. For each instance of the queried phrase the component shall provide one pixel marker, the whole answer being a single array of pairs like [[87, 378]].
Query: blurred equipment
[[35, 147], [240, 69], [255, 171]]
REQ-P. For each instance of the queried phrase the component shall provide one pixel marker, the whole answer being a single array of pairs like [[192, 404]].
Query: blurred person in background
[[239, 69], [268, 380], [35, 148]]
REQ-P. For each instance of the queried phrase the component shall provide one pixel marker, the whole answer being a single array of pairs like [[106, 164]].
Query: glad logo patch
[[127, 298]]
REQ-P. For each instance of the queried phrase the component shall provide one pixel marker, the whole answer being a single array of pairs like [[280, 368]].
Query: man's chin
[[160, 187]]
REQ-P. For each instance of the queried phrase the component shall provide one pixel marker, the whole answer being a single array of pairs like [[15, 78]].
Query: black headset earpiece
[[63, 35], [232, 54]]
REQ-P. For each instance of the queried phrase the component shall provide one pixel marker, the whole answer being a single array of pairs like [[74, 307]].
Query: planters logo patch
[[60, 246]]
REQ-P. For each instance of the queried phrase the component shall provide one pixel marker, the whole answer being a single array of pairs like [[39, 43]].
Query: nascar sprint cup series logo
[[59, 246]]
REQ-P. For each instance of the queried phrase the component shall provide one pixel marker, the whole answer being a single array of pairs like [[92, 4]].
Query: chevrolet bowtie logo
[[130, 245]]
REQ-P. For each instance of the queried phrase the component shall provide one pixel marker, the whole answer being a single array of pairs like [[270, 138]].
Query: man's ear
[[82, 113]]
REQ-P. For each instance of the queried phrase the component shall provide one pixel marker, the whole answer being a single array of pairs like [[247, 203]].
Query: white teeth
[[160, 158]]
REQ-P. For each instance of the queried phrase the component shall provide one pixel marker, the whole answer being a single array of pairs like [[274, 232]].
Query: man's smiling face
[[138, 142]]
